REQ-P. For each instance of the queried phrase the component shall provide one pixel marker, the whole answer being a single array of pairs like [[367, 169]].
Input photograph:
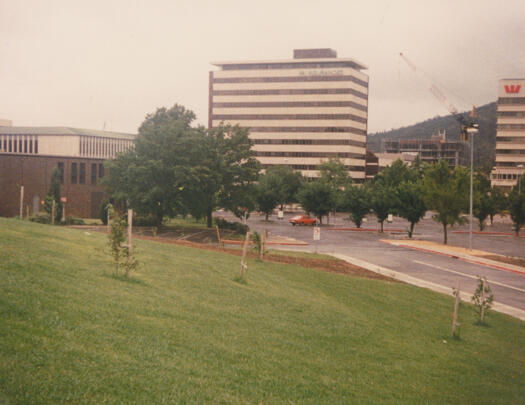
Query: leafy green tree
[[446, 192], [481, 199], [516, 206], [152, 176], [496, 203], [176, 168], [285, 182], [266, 196], [383, 202], [317, 198], [54, 194], [334, 173], [356, 201], [410, 203], [224, 172], [395, 174]]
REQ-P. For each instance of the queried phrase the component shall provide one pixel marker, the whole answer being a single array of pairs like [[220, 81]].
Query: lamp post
[[471, 132]]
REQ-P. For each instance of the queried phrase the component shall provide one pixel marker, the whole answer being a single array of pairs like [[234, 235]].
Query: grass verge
[[183, 331]]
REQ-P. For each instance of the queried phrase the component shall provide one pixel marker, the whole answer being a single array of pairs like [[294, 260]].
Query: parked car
[[303, 220]]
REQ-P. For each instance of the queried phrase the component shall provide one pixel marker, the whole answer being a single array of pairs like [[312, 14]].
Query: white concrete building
[[510, 137], [300, 111], [63, 141]]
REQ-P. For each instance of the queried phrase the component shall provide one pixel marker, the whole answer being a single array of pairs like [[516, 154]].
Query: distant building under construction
[[431, 150]]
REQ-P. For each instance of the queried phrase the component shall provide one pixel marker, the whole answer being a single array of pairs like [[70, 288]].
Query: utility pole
[[471, 132]]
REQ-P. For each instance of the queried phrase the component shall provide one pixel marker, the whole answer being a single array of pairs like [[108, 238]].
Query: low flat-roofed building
[[431, 150], [28, 155]]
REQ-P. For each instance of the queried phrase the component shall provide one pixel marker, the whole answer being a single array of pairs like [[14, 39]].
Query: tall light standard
[[473, 130]]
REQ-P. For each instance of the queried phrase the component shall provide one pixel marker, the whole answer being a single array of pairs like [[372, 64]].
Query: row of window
[[308, 142], [316, 167], [26, 144], [511, 139], [268, 92], [228, 117], [511, 100], [517, 114], [290, 79], [350, 130], [94, 146], [510, 126], [78, 172], [510, 152], [271, 66], [284, 104], [311, 154], [505, 176]]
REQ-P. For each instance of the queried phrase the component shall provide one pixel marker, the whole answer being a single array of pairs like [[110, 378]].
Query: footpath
[[471, 256]]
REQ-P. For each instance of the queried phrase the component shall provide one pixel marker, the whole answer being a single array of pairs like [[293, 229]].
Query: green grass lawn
[[182, 331]]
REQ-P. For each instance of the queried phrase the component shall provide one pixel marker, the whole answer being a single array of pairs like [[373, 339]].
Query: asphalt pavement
[[370, 247]]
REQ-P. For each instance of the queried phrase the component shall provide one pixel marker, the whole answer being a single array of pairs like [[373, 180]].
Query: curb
[[470, 259], [496, 306], [241, 242], [489, 233], [366, 230]]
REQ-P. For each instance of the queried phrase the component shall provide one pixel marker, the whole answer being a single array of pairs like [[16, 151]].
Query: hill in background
[[484, 144]]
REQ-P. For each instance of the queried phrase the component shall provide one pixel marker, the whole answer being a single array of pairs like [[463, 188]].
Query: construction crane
[[465, 122]]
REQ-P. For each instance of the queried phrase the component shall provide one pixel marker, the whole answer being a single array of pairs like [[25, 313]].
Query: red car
[[303, 220]]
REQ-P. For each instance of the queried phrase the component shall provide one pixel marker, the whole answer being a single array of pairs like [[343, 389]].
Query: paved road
[[508, 287]]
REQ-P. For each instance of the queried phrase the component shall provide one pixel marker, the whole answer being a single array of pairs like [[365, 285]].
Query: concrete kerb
[[496, 306], [466, 257]]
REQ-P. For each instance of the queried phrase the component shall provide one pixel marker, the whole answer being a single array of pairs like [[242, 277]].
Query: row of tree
[[176, 168], [402, 190]]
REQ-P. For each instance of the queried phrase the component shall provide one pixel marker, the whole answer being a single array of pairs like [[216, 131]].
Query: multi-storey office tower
[[300, 111], [510, 136]]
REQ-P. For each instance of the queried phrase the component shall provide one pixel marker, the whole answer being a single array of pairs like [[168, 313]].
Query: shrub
[[74, 221], [237, 227], [103, 212], [42, 218], [148, 220]]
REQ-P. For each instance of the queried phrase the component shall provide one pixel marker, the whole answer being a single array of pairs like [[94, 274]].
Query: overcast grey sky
[[86, 63]]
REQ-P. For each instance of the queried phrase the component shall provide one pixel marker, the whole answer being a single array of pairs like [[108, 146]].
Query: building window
[[36, 145], [82, 177], [100, 170], [93, 173], [61, 171], [74, 173]]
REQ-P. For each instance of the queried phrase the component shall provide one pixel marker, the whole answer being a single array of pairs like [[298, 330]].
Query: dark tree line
[[177, 168]]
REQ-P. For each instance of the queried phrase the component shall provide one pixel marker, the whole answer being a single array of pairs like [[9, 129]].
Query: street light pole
[[471, 132]]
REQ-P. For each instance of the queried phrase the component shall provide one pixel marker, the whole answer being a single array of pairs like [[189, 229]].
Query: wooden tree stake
[[244, 265], [482, 299], [263, 241], [53, 212], [455, 323], [21, 202], [130, 231], [219, 236]]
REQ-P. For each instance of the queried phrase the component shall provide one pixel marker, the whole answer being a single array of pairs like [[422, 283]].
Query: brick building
[[28, 155]]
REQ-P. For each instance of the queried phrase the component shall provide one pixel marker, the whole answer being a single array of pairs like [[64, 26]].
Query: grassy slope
[[184, 332]]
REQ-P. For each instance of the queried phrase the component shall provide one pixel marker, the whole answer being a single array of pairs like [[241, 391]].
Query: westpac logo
[[513, 88]]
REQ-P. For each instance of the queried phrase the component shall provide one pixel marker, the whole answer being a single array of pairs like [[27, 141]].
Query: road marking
[[468, 275]]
